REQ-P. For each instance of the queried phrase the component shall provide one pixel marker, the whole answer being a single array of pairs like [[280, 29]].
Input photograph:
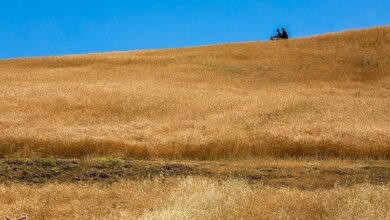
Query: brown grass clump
[[193, 198], [325, 97]]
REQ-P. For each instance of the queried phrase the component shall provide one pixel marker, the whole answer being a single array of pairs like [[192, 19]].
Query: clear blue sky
[[56, 27]]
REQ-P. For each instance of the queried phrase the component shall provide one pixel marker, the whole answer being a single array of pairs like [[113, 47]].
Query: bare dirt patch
[[302, 175]]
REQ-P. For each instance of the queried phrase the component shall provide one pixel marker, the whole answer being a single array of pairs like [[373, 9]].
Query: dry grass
[[193, 198], [326, 97]]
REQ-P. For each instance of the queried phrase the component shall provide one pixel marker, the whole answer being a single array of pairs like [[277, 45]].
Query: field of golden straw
[[180, 113]]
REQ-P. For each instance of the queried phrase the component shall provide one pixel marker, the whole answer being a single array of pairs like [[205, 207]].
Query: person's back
[[284, 34]]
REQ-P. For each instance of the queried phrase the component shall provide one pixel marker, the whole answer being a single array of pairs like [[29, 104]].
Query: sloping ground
[[326, 96]]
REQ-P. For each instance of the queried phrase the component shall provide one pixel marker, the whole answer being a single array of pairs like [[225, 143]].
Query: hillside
[[325, 96]]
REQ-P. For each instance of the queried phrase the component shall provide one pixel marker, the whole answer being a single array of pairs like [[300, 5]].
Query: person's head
[[284, 29], [277, 30]]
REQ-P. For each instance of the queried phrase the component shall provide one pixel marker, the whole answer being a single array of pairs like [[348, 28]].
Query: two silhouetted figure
[[280, 36]]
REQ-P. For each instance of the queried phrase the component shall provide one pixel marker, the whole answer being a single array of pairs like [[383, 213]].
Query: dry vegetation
[[193, 198], [325, 96], [280, 105]]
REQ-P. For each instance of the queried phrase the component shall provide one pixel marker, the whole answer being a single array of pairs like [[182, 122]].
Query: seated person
[[284, 34], [278, 36]]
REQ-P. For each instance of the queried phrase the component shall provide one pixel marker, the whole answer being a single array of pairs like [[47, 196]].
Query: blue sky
[[57, 27]]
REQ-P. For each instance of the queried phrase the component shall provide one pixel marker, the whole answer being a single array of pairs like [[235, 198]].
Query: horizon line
[[187, 47]]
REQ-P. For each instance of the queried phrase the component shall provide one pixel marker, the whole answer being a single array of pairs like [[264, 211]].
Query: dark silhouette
[[284, 34], [278, 36]]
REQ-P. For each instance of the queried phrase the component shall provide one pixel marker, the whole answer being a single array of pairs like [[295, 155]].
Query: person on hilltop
[[278, 36], [284, 34]]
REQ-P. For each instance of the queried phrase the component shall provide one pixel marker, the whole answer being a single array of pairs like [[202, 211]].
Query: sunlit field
[[305, 101], [326, 96], [194, 198]]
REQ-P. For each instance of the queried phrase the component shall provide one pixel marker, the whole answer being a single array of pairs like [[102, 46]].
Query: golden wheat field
[[296, 129], [194, 198], [326, 96]]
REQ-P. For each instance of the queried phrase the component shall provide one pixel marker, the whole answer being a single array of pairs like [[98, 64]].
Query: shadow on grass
[[278, 147]]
